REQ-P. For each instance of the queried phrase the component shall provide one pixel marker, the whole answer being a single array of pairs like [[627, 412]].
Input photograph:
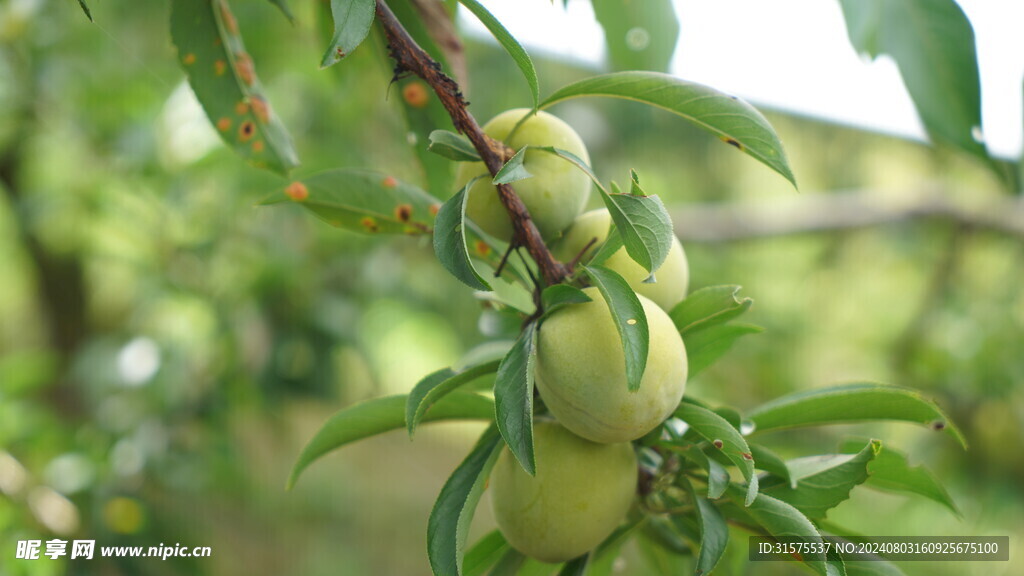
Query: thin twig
[[409, 57]]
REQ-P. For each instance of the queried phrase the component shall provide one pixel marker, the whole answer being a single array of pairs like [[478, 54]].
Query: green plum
[[581, 372], [673, 277], [554, 196], [580, 494]]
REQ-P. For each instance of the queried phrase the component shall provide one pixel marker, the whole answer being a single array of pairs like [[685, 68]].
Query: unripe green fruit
[[581, 372], [554, 196], [673, 277], [580, 494]]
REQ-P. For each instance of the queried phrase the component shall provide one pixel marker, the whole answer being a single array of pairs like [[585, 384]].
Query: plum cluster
[[586, 465]]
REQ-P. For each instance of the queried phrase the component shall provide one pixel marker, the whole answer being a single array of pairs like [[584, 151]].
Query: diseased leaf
[[438, 384], [382, 415], [450, 240], [705, 347], [629, 317], [708, 307], [453, 511], [452, 146], [513, 170], [485, 553], [732, 120], [725, 438], [852, 403], [223, 77], [933, 45], [639, 35], [782, 521], [827, 483], [513, 398], [560, 296], [891, 471], [352, 21], [363, 201], [510, 44]]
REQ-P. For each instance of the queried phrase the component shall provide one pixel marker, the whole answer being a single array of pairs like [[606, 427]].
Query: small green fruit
[[580, 494], [581, 372], [673, 277], [555, 195]]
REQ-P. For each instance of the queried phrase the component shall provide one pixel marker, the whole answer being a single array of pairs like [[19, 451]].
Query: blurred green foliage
[[166, 347]]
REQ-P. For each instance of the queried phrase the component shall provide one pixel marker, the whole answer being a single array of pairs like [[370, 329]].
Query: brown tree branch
[[409, 57]]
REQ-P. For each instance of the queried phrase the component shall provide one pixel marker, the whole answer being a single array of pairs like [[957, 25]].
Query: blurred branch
[[410, 58], [838, 211]]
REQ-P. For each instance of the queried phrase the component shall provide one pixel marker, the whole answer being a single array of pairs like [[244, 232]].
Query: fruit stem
[[409, 57]]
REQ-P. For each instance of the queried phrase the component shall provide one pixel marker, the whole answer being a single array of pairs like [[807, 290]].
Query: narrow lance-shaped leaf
[[933, 45], [453, 512], [513, 398], [891, 471], [450, 240], [724, 437], [352, 21], [852, 403], [829, 482], [629, 317], [363, 201], [510, 44], [782, 521], [718, 476], [765, 459], [638, 35], [436, 386], [704, 347], [485, 553], [282, 5], [576, 566], [714, 534], [223, 77], [452, 146], [560, 296], [732, 120], [708, 307], [382, 415], [85, 8]]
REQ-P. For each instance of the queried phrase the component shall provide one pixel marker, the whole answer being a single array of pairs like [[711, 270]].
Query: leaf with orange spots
[[363, 201], [352, 21], [223, 77]]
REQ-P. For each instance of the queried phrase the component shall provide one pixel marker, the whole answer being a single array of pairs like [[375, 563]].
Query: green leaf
[[510, 44], [576, 566], [602, 558], [718, 476], [611, 245], [513, 170], [891, 471], [450, 240], [709, 307], [732, 120], [770, 462], [222, 75], [644, 225], [453, 512], [561, 295], [382, 415], [85, 8], [452, 146], [705, 347], [852, 403], [639, 35], [827, 482], [723, 436], [352, 21], [510, 564], [660, 559], [437, 385], [363, 201], [629, 317], [782, 521], [282, 5], [714, 535], [485, 553], [513, 398], [933, 45]]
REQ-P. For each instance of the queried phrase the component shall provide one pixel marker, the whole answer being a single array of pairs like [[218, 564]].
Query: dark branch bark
[[409, 57]]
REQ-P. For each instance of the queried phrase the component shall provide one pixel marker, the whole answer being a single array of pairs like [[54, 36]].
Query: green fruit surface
[[554, 196], [581, 372], [580, 494]]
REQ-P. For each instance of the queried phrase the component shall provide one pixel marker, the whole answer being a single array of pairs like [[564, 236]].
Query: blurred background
[[167, 347]]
